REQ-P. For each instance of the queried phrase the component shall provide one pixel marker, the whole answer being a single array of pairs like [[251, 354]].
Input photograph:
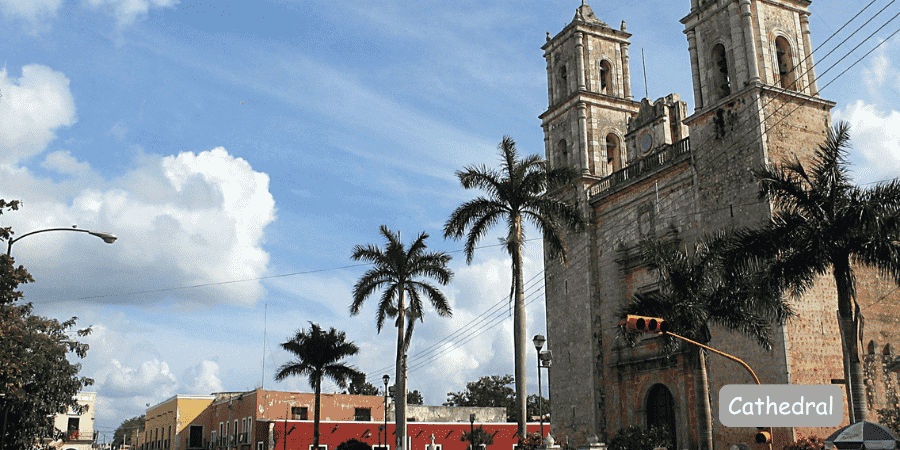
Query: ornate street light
[[538, 345]]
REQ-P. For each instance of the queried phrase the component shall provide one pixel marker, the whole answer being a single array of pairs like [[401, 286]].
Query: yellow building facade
[[165, 423]]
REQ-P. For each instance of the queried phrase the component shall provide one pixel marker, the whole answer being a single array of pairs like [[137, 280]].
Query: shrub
[[354, 444], [806, 443], [637, 438]]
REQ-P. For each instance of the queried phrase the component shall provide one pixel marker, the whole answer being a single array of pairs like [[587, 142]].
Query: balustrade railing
[[636, 169]]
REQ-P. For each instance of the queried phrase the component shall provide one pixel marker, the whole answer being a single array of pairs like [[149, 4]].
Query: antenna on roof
[[262, 382], [644, 63]]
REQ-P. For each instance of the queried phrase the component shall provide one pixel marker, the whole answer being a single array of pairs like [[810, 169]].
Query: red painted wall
[[447, 435]]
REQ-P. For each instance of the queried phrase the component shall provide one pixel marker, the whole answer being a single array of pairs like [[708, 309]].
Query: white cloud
[[151, 378], [127, 12], [31, 109], [63, 162], [202, 379], [181, 220], [875, 137], [36, 12]]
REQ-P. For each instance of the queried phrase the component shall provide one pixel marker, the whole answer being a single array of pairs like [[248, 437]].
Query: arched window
[[661, 410], [563, 82], [721, 80], [613, 153], [785, 63], [562, 152], [605, 78]]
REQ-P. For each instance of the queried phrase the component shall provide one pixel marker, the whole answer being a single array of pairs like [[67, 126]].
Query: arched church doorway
[[661, 410]]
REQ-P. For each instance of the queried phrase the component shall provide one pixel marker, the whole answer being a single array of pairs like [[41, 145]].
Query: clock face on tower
[[646, 142]]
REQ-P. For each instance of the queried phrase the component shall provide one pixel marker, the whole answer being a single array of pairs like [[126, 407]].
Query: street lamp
[[538, 345], [107, 237], [386, 379], [472, 431]]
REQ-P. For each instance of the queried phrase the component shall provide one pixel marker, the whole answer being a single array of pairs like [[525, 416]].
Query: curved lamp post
[[107, 237]]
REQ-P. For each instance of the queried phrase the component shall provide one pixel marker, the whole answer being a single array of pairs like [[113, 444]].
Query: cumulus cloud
[[190, 219], [151, 378], [202, 379], [63, 162], [127, 12], [875, 137], [32, 107]]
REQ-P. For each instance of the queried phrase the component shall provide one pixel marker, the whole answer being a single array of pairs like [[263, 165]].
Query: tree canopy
[[495, 391], [37, 380]]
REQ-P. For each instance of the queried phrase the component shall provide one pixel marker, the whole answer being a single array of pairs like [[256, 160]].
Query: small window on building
[[785, 63], [721, 79], [259, 446], [299, 413], [613, 153], [562, 152], [605, 78], [362, 414], [72, 428], [563, 82], [387, 447], [321, 447]]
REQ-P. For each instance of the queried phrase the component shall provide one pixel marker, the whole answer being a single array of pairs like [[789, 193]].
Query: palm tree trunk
[[849, 333], [316, 413], [400, 374], [519, 328], [706, 435]]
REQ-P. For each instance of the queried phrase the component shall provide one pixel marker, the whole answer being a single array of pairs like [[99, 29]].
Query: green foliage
[[359, 386], [806, 443], [890, 418], [495, 391], [124, 431], [638, 438], [532, 441], [353, 444], [477, 437], [37, 380], [415, 398]]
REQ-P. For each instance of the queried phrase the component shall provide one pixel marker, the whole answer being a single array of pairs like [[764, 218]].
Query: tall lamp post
[[386, 379], [542, 357], [107, 237]]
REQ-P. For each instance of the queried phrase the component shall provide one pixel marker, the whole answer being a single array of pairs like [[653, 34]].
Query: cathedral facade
[[652, 169]]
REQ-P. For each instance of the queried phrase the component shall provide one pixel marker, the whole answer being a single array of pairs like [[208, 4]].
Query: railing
[[243, 438], [640, 167]]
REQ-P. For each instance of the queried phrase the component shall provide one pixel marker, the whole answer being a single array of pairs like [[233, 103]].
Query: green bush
[[806, 443], [354, 444], [890, 418], [637, 438]]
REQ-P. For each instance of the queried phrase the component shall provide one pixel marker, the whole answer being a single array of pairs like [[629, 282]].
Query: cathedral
[[654, 169]]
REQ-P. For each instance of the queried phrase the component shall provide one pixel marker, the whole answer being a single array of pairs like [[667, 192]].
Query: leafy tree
[[359, 386], [806, 443], [123, 433], [495, 391], [517, 193], [37, 380], [354, 444], [477, 437], [697, 289], [415, 398], [824, 225], [637, 438], [318, 355], [397, 272]]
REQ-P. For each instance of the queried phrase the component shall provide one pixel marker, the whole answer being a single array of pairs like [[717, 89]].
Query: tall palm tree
[[319, 354], [822, 224], [397, 272], [696, 289], [517, 193]]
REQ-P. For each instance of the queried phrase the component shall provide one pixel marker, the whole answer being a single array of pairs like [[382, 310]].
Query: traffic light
[[646, 324], [764, 435]]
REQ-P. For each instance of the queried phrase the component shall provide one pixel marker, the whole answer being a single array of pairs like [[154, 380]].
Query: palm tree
[[823, 225], [318, 354], [696, 289], [396, 272], [517, 193]]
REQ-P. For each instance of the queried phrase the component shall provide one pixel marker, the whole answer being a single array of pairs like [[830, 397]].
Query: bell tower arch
[[589, 96]]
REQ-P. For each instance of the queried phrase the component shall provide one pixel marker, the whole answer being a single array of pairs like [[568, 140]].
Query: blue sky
[[238, 140]]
